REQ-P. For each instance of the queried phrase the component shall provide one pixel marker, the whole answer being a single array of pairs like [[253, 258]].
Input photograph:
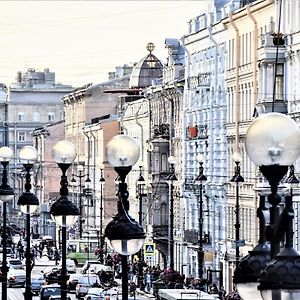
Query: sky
[[81, 41]]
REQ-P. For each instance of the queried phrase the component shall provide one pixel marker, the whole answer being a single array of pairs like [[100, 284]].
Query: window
[[51, 116], [21, 136], [36, 116], [279, 82], [164, 162], [21, 116], [163, 214]]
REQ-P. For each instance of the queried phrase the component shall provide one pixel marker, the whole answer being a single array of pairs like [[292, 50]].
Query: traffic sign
[[239, 243], [149, 249]]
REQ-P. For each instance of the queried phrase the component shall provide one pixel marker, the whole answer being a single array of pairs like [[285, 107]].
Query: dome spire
[[150, 47]]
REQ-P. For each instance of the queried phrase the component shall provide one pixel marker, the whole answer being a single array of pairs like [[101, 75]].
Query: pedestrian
[[56, 256], [148, 281]]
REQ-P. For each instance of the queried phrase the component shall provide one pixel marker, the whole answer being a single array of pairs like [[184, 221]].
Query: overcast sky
[[81, 41]]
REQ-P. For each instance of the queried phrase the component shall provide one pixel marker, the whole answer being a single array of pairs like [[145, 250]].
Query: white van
[[184, 294]]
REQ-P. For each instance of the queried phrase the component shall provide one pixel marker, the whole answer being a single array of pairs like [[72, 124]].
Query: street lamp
[[238, 179], [247, 272], [170, 179], [63, 211], [73, 180], [140, 185], [272, 144], [28, 204], [102, 182], [6, 194], [200, 180], [124, 233]]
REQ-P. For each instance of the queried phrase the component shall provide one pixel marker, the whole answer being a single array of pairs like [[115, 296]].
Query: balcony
[[160, 231]]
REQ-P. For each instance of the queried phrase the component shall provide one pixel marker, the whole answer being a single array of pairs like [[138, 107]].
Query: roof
[[147, 70]]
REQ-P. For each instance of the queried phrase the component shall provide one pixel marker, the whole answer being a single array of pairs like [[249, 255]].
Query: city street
[[16, 293]]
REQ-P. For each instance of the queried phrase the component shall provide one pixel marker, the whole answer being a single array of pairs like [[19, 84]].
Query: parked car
[[49, 290], [16, 277], [36, 283], [15, 263], [89, 264], [95, 294], [73, 281], [86, 281]]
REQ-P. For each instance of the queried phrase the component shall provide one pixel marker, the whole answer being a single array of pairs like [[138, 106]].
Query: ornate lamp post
[[102, 182], [238, 179], [6, 194], [272, 144], [124, 233], [170, 179], [73, 180], [140, 185], [200, 180], [28, 204], [63, 211]]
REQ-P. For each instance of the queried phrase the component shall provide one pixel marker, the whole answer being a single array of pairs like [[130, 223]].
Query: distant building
[[34, 100]]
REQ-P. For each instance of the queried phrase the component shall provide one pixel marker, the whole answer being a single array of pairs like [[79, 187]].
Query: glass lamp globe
[[280, 294], [236, 157], [171, 160], [126, 235], [65, 221], [64, 152], [6, 154], [28, 209], [200, 158], [64, 212], [122, 151], [273, 139], [249, 291], [28, 155], [28, 203], [127, 247]]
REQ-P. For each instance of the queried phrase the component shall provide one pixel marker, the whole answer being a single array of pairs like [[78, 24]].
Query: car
[[71, 266], [36, 283], [16, 277], [15, 263], [58, 297], [105, 273], [86, 281], [49, 290], [95, 294], [73, 281], [89, 264], [51, 274]]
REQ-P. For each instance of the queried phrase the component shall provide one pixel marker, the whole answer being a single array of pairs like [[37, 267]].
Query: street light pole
[[201, 178], [102, 182], [272, 144], [28, 204], [125, 234], [171, 178], [63, 210], [6, 194], [80, 176], [238, 179], [140, 183]]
